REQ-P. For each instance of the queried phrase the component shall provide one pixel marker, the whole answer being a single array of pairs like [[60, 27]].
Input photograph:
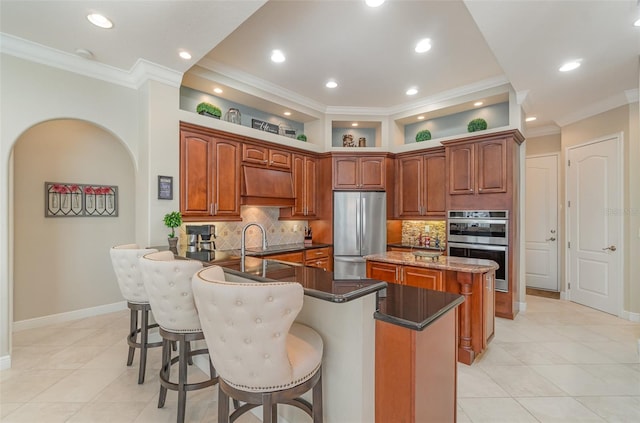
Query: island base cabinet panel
[[416, 372]]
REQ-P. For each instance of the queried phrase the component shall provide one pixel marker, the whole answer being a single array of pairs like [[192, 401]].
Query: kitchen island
[[471, 278], [346, 313]]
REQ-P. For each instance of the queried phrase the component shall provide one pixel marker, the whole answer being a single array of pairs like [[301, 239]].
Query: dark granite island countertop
[[414, 308]]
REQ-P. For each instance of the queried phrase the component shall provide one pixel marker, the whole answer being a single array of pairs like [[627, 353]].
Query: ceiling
[[476, 45]]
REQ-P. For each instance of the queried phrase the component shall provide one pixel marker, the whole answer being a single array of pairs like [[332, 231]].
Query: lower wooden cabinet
[[422, 278], [316, 257]]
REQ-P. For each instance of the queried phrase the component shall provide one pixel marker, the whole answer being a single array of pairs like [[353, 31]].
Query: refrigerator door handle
[[363, 223], [350, 259], [359, 227]]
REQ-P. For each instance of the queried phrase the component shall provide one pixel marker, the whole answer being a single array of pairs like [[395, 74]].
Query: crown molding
[[615, 101], [141, 71], [542, 131], [261, 84]]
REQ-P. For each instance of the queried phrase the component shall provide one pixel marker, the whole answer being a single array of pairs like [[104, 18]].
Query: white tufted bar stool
[[261, 355], [168, 283], [125, 261]]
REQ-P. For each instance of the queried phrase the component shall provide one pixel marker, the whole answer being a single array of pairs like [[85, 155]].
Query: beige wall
[[62, 264], [543, 145], [620, 120]]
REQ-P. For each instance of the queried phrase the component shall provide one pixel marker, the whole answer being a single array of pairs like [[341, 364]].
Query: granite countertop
[[458, 264], [282, 248], [414, 308]]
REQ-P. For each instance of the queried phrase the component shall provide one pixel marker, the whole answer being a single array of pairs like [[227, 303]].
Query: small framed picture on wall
[[165, 187]]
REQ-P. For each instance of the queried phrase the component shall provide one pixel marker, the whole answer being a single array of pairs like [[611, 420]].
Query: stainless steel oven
[[481, 234]]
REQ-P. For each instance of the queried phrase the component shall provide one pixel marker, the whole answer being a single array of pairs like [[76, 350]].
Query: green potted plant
[[209, 109], [423, 135], [477, 125], [302, 137], [172, 221]]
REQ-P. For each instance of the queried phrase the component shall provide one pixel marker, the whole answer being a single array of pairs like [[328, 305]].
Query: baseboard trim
[[522, 306], [5, 362], [631, 316], [38, 322]]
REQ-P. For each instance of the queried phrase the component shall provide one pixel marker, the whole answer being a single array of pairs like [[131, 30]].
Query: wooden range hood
[[266, 187]]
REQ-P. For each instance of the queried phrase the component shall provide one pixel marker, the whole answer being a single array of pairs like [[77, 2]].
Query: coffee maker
[[199, 237]]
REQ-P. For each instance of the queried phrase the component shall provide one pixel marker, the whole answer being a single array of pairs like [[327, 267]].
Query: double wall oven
[[481, 234]]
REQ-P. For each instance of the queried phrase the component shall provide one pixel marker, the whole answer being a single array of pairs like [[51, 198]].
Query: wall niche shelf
[[344, 134]]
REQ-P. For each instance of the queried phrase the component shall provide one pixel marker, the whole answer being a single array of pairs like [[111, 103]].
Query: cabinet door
[[345, 173], [322, 263], [279, 159], [298, 185], [434, 181], [492, 166], [254, 154], [195, 174], [383, 271], [371, 173], [422, 277], [310, 191], [461, 169], [409, 187], [226, 178]]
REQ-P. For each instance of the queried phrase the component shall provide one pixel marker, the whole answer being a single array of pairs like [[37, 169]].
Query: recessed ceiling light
[[423, 45], [420, 117], [217, 90], [569, 66], [530, 119], [412, 91], [478, 103], [331, 84], [100, 20], [287, 113], [185, 55], [637, 23], [277, 56], [354, 124], [373, 3]]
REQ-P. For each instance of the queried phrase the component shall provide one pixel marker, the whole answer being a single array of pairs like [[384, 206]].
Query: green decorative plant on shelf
[[209, 109], [423, 135], [172, 221], [302, 137], [477, 125]]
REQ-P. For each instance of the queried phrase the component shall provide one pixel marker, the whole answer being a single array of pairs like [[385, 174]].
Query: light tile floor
[[557, 362]]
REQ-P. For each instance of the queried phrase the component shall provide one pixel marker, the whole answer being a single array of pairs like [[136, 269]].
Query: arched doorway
[[61, 266]]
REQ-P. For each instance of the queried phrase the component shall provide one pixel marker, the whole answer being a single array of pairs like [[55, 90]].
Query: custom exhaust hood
[[266, 187]]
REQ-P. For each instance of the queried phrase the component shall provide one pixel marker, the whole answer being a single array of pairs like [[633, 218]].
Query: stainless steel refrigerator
[[359, 229]]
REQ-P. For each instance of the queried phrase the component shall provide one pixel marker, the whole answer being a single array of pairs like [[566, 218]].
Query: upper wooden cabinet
[[305, 178], [483, 170], [209, 176], [421, 185], [264, 156], [478, 168], [353, 172]]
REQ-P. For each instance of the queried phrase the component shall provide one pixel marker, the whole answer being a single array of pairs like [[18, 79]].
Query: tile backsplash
[[411, 230], [278, 231]]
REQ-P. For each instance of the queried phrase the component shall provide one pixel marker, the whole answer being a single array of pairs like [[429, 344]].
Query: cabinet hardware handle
[[215, 209], [211, 208]]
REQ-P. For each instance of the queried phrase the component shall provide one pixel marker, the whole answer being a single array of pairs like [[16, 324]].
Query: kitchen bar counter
[[348, 318]]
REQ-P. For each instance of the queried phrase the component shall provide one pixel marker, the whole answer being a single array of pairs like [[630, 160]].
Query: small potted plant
[[302, 137], [172, 221], [208, 109], [477, 125], [423, 135]]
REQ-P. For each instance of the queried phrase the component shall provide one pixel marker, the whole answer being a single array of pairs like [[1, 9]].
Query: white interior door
[[594, 212], [541, 225]]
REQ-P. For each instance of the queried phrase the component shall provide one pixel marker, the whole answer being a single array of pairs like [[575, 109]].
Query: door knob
[[611, 247], [550, 239]]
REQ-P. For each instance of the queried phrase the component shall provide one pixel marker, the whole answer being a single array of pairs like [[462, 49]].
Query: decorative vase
[[173, 243], [362, 142], [233, 115], [347, 140]]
